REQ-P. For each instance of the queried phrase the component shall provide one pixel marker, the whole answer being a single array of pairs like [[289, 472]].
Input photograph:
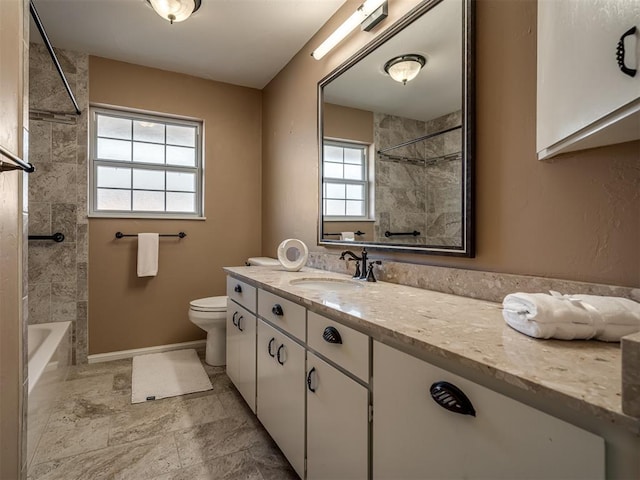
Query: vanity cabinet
[[337, 404], [241, 351], [337, 423], [584, 99], [414, 437], [281, 391]]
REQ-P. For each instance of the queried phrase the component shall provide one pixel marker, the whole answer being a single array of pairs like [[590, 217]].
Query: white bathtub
[[49, 353]]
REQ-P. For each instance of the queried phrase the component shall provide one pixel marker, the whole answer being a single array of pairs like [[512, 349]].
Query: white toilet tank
[[263, 262]]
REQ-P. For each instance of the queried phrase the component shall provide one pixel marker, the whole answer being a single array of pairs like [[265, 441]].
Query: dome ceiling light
[[405, 67], [175, 10]]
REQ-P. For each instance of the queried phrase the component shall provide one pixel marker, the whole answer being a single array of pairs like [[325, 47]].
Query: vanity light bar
[[360, 15]]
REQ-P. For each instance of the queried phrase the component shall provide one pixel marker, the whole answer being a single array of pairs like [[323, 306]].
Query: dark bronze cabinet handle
[[331, 335], [452, 398], [278, 354], [311, 389], [238, 324], [620, 53], [233, 319], [272, 355], [277, 310], [237, 289]]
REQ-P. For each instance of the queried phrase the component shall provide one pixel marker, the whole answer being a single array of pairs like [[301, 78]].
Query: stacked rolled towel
[[571, 317]]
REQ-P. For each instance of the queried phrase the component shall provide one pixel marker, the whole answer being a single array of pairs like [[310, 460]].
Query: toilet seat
[[209, 304]]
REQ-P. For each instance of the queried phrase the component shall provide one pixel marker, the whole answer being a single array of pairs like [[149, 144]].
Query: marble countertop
[[584, 375]]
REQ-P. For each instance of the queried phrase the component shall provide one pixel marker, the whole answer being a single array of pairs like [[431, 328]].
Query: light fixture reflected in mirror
[[175, 10], [405, 67]]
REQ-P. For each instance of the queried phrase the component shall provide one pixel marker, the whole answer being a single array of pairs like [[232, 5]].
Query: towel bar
[[179, 234]]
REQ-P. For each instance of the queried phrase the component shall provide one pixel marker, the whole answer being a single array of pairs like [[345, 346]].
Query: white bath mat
[[167, 374]]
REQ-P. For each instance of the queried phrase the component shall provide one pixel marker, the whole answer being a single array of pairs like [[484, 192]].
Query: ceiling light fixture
[[405, 67], [369, 14], [175, 10]]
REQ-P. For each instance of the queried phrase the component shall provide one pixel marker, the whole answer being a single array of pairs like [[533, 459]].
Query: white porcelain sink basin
[[326, 284]]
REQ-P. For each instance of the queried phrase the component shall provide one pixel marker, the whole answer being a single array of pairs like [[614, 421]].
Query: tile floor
[[94, 432]]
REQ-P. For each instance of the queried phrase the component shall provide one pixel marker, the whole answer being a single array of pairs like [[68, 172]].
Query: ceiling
[[243, 42], [436, 91]]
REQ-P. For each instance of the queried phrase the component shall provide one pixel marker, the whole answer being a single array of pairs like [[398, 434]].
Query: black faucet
[[361, 272]]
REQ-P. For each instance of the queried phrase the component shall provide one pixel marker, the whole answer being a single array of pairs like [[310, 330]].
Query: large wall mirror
[[396, 154]]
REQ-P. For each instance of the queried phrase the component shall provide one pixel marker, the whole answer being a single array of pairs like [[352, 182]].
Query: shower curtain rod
[[18, 164], [419, 139], [54, 58]]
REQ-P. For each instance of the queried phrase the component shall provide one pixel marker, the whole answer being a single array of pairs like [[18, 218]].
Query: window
[[145, 165], [344, 180]]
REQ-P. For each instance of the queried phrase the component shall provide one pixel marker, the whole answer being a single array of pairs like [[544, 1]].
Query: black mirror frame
[[467, 248]]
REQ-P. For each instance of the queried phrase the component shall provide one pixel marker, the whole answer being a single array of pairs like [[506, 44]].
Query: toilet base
[[216, 350]]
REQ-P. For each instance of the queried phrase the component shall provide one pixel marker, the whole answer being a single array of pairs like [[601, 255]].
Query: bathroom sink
[[326, 284]]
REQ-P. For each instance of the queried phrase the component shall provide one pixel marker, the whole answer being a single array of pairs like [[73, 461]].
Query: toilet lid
[[209, 304]]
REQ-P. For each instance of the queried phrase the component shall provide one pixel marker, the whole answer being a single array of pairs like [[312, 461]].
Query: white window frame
[[364, 182], [94, 162]]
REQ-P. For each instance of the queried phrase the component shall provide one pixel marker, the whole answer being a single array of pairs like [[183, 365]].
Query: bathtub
[[49, 357]]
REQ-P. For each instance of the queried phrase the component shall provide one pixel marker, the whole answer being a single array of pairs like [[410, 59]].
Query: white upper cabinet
[[584, 99]]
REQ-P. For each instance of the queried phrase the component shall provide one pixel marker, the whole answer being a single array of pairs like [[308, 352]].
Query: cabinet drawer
[[352, 354], [242, 293], [283, 313]]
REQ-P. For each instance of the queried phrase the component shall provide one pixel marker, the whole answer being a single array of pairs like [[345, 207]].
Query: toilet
[[210, 314]]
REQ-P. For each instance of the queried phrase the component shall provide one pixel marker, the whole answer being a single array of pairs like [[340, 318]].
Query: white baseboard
[[107, 357]]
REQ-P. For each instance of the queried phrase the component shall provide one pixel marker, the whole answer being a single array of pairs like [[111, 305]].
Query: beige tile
[[39, 218], [114, 367], [142, 460], [90, 386], [271, 462], [234, 466], [166, 415], [52, 263], [63, 219], [39, 302], [80, 410], [235, 406], [57, 443], [53, 182], [64, 143], [211, 440], [63, 302]]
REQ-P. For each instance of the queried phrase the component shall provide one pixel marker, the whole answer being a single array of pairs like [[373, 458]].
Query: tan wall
[[577, 217], [347, 123], [130, 312]]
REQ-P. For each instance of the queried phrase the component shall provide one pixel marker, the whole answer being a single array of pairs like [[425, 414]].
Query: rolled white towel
[[541, 315], [569, 317], [613, 310], [614, 333]]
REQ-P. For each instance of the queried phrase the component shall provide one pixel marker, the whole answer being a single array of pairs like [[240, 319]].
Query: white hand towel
[[351, 236], [148, 254]]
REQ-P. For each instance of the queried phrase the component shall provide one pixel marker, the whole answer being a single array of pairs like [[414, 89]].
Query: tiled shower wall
[[420, 187], [58, 194]]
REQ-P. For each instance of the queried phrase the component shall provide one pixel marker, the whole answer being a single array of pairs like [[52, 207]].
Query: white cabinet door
[[280, 392], [241, 351], [415, 438], [337, 424], [584, 100]]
